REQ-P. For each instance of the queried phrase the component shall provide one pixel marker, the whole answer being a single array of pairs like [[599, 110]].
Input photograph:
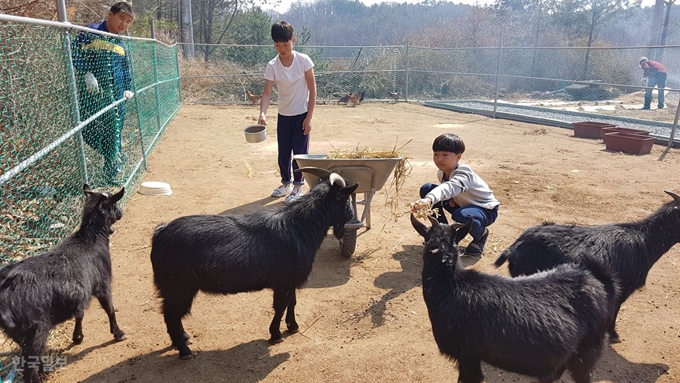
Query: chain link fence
[[596, 75], [56, 134]]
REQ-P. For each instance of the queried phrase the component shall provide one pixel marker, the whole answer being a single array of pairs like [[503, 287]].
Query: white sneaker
[[282, 190], [294, 195]]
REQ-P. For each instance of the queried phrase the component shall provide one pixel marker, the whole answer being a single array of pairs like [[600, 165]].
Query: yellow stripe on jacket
[[105, 46]]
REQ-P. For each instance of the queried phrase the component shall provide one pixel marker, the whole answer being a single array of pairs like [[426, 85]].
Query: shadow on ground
[[246, 363], [396, 282], [611, 367]]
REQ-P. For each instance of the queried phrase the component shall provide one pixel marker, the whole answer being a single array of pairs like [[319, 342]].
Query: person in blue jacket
[[103, 76]]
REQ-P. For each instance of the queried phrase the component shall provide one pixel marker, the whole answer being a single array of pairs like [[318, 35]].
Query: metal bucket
[[255, 133]]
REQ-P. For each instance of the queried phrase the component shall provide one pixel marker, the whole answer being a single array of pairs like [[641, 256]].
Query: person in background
[[654, 75], [293, 73], [461, 192], [103, 77]]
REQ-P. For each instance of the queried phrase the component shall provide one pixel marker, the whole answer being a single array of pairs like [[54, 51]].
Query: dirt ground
[[363, 319]]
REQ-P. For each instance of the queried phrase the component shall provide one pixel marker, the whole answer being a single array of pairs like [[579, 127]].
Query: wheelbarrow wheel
[[348, 243]]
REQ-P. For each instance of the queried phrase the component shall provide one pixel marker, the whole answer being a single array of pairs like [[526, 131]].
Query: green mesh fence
[[56, 134]]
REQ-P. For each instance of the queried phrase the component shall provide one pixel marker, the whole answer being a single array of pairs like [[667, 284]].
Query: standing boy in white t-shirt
[[293, 73]]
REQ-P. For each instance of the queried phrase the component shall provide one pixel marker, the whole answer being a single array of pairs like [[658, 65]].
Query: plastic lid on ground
[[155, 188]]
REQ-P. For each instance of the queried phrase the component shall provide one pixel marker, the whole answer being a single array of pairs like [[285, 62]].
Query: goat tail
[[159, 228], [501, 259]]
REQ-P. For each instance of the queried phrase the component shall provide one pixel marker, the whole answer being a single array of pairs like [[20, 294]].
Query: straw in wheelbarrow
[[401, 170]]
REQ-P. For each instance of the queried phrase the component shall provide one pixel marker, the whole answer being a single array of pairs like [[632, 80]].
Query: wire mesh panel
[[223, 74], [64, 121]]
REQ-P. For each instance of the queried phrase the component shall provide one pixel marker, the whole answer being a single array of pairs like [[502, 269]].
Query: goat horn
[[433, 220], [336, 179], [319, 172], [675, 196]]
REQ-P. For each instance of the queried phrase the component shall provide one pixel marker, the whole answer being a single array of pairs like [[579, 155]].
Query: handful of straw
[[422, 209]]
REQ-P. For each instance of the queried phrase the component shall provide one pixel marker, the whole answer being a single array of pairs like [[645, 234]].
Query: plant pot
[[628, 143], [590, 129], [604, 131]]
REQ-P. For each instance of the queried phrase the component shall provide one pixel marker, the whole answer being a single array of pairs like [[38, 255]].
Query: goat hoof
[[185, 353], [293, 329], [78, 339], [614, 339], [120, 336], [276, 340]]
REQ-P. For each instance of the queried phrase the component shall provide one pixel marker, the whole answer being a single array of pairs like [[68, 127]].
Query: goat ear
[[419, 226], [347, 190], [116, 197], [88, 190], [459, 234], [675, 196]]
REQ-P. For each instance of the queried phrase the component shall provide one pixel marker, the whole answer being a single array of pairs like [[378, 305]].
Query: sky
[[285, 4]]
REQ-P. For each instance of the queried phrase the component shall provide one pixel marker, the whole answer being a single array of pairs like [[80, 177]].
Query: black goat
[[42, 291], [628, 250], [540, 325], [229, 254]]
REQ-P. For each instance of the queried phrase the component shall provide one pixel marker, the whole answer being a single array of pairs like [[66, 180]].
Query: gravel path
[[547, 116]]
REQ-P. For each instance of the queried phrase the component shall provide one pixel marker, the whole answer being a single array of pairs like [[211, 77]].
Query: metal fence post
[[139, 117], [73, 91], [61, 10], [675, 125], [75, 108], [498, 70], [177, 74], [407, 75], [155, 80]]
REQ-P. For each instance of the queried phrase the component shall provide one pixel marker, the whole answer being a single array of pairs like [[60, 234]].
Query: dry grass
[[401, 170]]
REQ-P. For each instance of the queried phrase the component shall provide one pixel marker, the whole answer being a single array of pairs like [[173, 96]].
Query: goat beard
[[339, 231]]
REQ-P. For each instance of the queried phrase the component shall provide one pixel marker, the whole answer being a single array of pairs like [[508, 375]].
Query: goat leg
[[281, 299], [78, 329], [178, 336], [173, 312], [290, 313], [584, 360], [31, 372], [553, 376], [107, 304], [470, 370], [613, 335], [33, 349]]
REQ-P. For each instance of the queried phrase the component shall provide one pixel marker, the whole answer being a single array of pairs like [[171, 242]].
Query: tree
[[214, 18], [584, 17], [664, 30]]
